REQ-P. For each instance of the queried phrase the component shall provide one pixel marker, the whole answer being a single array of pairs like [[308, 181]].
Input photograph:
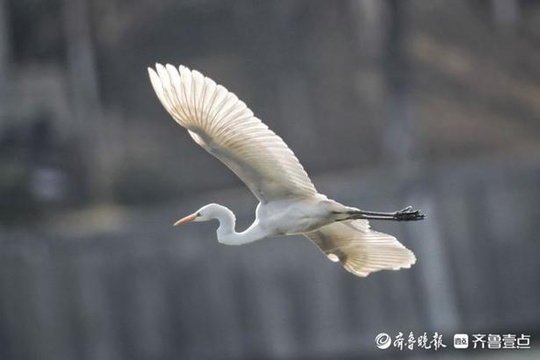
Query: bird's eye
[[198, 214]]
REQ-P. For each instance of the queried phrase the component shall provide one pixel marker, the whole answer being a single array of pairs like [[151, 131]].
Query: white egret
[[289, 204]]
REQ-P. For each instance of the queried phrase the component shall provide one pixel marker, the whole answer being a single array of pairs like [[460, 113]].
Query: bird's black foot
[[408, 214]]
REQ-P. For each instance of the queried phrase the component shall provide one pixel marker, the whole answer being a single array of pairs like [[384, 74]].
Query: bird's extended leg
[[407, 214]]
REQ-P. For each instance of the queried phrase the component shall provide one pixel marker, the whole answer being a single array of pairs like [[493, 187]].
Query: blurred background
[[387, 103]]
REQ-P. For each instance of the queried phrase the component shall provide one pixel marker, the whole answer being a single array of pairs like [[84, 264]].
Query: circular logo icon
[[383, 341]]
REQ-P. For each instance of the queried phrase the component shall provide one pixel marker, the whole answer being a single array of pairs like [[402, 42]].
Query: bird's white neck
[[226, 233]]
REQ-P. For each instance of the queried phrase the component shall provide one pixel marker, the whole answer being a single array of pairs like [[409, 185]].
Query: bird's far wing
[[223, 125], [361, 250]]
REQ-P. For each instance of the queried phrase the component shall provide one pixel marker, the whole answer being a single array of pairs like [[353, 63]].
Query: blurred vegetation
[[16, 202], [139, 183]]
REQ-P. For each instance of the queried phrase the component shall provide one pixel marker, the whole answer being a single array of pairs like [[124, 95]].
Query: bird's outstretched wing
[[361, 250], [223, 125]]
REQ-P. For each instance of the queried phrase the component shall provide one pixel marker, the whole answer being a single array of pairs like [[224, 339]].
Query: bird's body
[[297, 216], [289, 203]]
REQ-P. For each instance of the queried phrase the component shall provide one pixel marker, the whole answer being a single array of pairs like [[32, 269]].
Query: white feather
[[223, 125], [360, 249]]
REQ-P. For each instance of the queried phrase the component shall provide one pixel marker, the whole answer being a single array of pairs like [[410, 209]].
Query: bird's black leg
[[407, 214]]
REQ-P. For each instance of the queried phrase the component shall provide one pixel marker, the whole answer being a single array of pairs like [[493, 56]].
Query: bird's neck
[[227, 234]]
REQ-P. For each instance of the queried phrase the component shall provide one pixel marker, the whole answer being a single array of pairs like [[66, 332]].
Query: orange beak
[[186, 219]]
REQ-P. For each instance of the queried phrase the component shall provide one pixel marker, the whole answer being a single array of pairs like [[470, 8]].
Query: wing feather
[[224, 126], [360, 249]]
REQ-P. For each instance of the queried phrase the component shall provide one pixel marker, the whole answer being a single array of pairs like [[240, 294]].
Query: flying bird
[[289, 203]]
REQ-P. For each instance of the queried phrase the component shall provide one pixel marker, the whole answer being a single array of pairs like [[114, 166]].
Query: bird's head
[[206, 213]]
